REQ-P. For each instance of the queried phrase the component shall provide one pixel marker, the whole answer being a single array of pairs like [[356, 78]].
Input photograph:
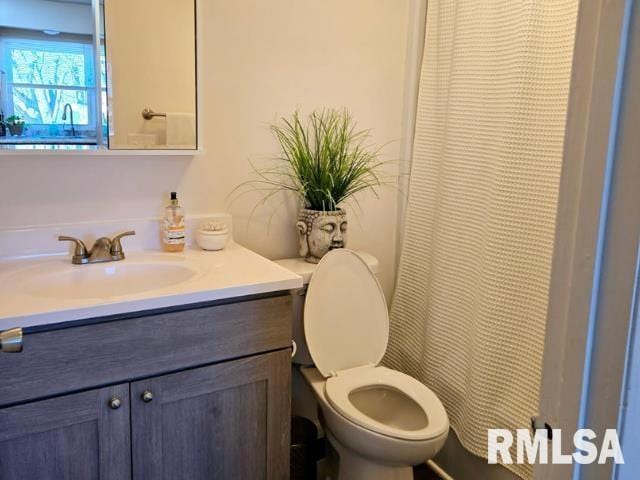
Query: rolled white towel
[[181, 130]]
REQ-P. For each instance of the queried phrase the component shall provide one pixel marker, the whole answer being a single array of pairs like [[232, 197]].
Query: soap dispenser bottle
[[173, 226]]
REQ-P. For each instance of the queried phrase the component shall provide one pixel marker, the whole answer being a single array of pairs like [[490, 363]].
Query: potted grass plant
[[15, 124], [325, 161]]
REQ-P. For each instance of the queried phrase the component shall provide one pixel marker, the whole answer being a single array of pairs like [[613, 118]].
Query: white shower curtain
[[468, 314]]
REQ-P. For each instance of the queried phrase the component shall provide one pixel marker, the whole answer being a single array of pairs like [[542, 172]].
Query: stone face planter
[[320, 232], [16, 129]]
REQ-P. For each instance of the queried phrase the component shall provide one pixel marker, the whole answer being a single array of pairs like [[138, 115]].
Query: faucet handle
[[116, 246], [80, 254]]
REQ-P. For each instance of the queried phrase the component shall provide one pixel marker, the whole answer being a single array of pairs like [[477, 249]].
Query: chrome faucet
[[64, 118], [104, 249]]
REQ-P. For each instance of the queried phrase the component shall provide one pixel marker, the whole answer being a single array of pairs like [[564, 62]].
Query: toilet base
[[355, 467]]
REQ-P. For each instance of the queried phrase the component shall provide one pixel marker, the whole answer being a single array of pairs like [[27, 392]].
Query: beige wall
[[258, 60], [46, 15], [150, 53]]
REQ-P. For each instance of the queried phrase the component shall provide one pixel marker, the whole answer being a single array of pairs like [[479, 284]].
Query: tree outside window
[[44, 76]]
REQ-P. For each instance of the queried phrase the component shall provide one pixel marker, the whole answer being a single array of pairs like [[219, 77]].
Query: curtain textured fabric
[[469, 310]]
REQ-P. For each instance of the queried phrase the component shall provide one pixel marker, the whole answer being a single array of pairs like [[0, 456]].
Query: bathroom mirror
[[151, 73], [98, 74]]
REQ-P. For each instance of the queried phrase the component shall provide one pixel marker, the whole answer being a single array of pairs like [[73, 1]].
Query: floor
[[423, 472]]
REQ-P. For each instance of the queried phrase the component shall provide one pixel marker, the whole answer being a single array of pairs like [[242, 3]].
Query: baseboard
[[457, 462], [439, 471]]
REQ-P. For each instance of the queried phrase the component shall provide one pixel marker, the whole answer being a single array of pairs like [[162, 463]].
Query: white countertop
[[229, 273]]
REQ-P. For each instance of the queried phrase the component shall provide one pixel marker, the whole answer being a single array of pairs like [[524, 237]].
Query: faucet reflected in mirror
[[64, 119], [104, 249]]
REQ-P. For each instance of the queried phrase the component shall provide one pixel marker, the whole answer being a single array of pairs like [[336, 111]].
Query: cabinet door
[[81, 436], [223, 422]]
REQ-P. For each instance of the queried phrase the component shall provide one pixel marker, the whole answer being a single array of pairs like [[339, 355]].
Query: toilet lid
[[346, 322]]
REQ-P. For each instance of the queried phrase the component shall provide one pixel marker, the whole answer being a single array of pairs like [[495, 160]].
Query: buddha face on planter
[[320, 232]]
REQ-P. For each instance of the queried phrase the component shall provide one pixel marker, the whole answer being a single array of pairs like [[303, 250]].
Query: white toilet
[[380, 421]]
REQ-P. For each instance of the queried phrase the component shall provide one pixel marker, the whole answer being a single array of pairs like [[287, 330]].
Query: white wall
[[46, 15], [257, 61]]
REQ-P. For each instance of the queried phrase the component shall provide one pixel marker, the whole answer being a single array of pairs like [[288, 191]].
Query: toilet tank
[[305, 270]]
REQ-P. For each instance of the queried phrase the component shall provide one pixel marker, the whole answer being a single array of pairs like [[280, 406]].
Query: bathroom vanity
[[190, 380]]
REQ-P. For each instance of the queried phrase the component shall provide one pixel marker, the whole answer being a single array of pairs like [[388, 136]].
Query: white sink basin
[[102, 280]]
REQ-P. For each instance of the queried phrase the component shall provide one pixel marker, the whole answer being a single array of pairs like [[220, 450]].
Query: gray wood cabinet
[[227, 421], [204, 409], [76, 436]]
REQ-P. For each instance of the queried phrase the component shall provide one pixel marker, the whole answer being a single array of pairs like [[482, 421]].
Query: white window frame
[[11, 41]]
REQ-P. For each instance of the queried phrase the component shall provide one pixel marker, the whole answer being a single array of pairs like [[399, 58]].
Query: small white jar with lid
[[212, 235]]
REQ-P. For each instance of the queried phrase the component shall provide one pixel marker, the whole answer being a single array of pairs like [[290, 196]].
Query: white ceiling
[[85, 2]]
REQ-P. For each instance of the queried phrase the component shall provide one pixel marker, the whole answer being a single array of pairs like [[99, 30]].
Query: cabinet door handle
[[11, 340], [115, 403], [146, 396]]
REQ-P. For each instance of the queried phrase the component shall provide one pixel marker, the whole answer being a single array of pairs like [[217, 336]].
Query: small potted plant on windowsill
[[15, 124], [3, 127], [325, 161]]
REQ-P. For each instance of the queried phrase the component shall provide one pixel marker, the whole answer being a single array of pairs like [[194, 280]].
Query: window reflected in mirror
[[48, 88]]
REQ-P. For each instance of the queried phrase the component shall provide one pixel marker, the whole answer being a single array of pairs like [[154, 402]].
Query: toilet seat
[[339, 388], [346, 320]]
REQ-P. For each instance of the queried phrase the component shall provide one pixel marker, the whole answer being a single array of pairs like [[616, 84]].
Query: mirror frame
[[102, 147]]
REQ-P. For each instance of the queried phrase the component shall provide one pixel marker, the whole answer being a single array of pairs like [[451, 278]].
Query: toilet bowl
[[380, 421]]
